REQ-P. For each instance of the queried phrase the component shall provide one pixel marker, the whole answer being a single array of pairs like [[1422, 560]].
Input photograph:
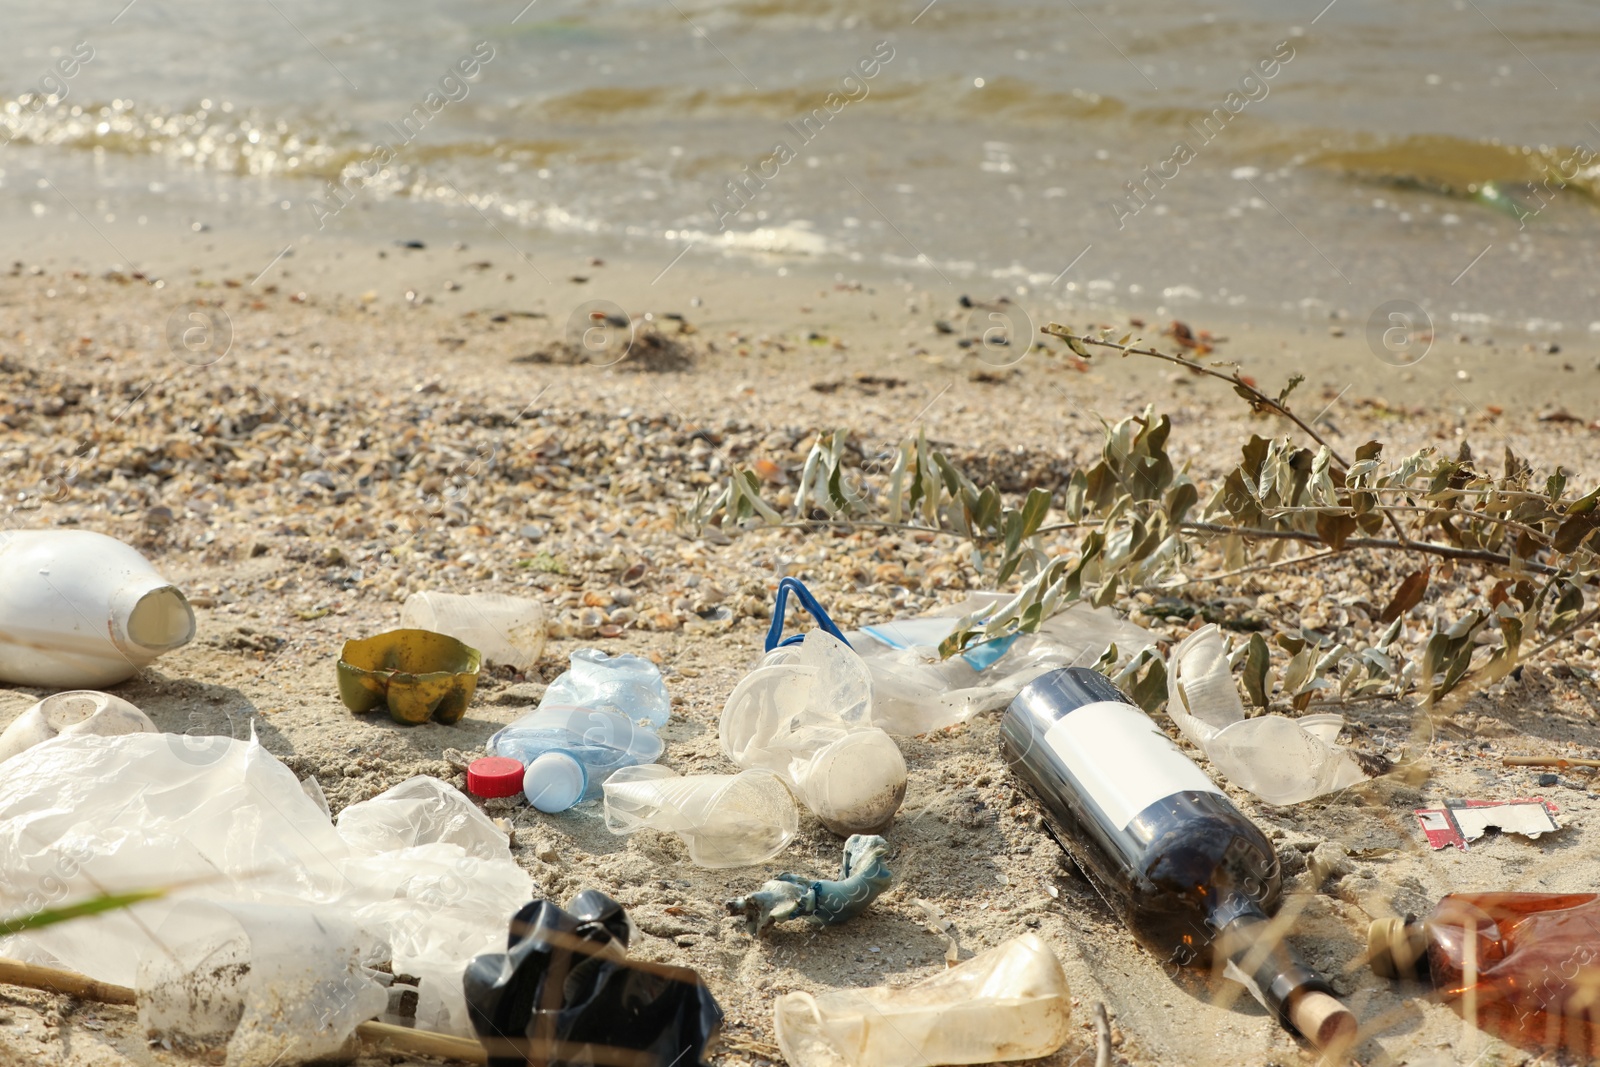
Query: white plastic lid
[[554, 782]]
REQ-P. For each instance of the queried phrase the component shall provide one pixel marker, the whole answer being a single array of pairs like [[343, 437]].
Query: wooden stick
[[399, 1038], [1548, 761]]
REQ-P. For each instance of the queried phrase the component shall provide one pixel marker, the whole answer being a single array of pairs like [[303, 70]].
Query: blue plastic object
[[598, 741], [775, 638]]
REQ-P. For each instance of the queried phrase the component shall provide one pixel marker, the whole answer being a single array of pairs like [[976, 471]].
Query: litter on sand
[[1462, 821]]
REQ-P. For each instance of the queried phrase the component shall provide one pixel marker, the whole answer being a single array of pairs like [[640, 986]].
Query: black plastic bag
[[564, 994]]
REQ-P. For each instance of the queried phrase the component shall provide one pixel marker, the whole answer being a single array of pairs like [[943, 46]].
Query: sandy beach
[[353, 444]]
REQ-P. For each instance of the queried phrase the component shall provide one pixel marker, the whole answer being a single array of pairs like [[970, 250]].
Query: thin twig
[[1102, 1029], [1548, 761], [1256, 396], [1258, 400], [1253, 568]]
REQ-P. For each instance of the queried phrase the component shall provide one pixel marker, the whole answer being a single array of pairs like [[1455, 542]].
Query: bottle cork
[[1323, 1021]]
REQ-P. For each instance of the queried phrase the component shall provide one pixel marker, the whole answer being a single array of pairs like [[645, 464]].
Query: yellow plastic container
[[417, 674]]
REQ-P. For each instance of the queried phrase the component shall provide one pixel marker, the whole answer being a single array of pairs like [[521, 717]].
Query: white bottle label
[[1122, 759]]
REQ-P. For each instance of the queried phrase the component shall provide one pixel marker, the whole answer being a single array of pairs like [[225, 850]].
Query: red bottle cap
[[494, 776]]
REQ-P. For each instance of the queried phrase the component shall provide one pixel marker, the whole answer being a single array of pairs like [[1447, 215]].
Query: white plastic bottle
[[81, 610], [506, 629]]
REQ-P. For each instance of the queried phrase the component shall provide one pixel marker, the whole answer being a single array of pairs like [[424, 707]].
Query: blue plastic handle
[[775, 638]]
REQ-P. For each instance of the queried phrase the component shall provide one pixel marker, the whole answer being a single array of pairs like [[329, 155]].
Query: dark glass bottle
[[1189, 875], [1524, 965]]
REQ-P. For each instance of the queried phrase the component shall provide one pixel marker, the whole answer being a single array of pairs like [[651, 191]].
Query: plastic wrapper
[[915, 691], [420, 870], [1009, 1003], [81, 711], [725, 820], [80, 609], [806, 715], [506, 629], [565, 993], [1279, 759]]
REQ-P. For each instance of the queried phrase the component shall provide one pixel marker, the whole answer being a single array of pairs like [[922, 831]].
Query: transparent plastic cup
[[806, 715], [725, 820], [1009, 1003], [506, 629]]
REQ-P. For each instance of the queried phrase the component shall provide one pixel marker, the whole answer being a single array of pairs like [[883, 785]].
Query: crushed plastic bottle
[[80, 609], [806, 715], [80, 711], [1279, 759], [565, 994], [506, 629], [725, 820], [1524, 965], [627, 684], [862, 876], [914, 690], [570, 752], [1009, 1003]]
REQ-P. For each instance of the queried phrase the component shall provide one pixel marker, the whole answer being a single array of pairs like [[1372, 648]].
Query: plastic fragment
[[565, 993], [416, 674], [80, 711], [806, 715], [1461, 821], [505, 629], [1279, 759], [79, 609], [862, 876], [1009, 1003]]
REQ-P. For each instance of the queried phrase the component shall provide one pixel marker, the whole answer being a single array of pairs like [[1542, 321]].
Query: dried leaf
[[1408, 596]]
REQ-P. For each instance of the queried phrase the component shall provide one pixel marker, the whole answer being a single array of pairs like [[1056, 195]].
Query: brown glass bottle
[[1190, 876], [1523, 965]]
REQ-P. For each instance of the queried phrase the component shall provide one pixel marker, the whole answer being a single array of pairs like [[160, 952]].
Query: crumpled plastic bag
[[227, 824], [914, 691], [1279, 759], [806, 715], [279, 985]]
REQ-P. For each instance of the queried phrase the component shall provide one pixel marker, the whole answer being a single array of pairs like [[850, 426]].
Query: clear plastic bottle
[[569, 752], [1524, 965], [1191, 877], [627, 683]]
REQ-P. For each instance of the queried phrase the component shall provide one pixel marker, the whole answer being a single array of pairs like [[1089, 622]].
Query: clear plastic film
[[1279, 759], [221, 822], [1009, 1003]]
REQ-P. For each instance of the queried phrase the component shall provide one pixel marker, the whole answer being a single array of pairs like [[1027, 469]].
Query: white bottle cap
[[554, 782]]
